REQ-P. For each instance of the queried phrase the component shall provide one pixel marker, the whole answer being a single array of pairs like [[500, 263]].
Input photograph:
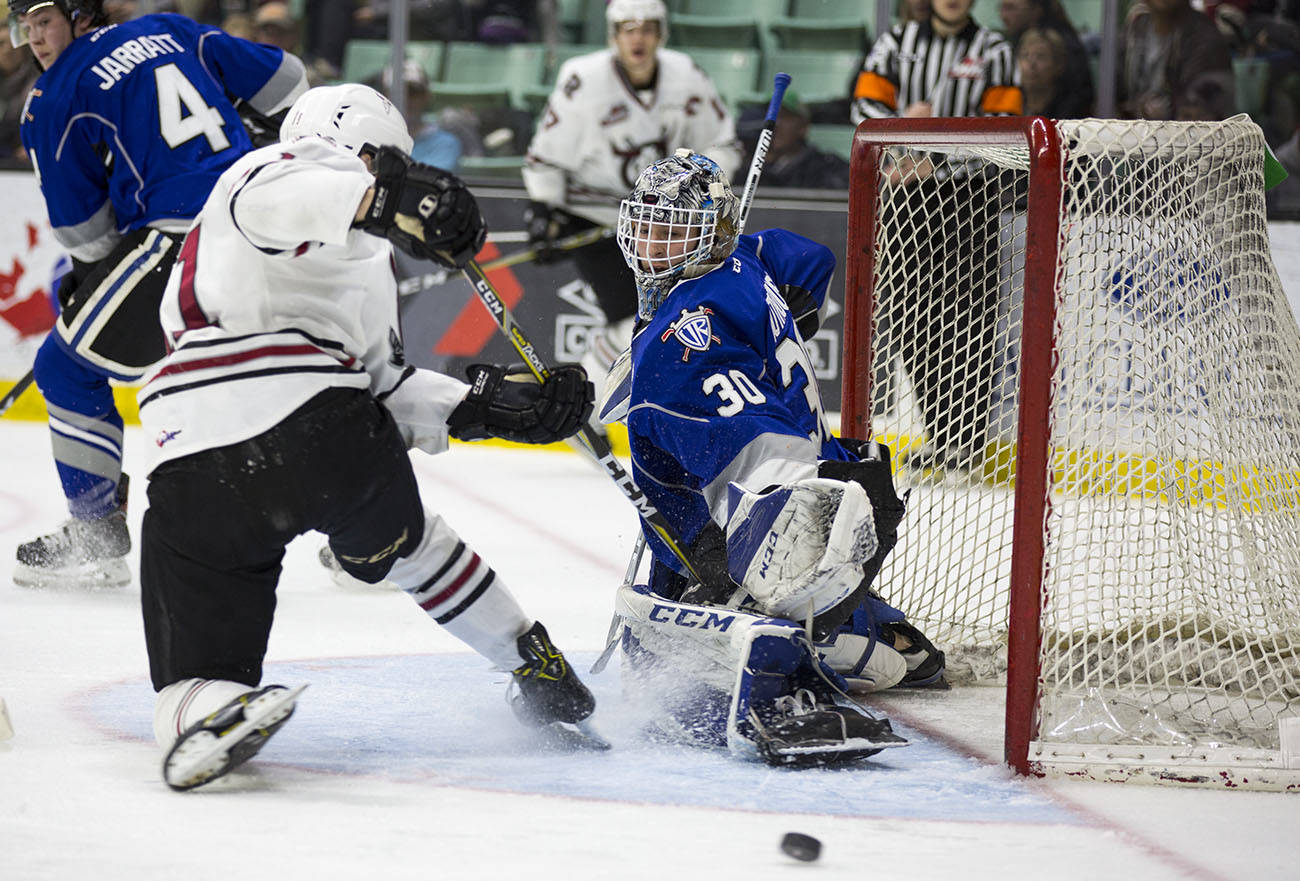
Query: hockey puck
[[801, 847]]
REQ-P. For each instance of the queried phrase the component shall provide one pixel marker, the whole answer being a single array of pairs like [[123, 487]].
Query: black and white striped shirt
[[971, 73]]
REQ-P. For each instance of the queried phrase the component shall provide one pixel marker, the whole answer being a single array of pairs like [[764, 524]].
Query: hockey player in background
[[286, 405], [730, 444], [128, 128], [611, 114]]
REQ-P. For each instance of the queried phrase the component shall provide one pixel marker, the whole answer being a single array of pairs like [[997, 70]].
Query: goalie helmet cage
[[1072, 335]]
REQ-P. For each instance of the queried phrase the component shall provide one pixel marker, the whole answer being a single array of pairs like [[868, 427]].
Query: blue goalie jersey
[[133, 123], [722, 388]]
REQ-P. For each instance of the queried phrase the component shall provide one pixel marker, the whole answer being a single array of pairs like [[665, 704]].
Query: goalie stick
[[592, 440]]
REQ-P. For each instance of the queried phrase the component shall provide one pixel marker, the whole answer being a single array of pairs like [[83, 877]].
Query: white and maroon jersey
[[598, 131], [275, 298]]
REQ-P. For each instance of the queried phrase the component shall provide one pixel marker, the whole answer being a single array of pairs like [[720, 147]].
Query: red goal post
[[1072, 336]]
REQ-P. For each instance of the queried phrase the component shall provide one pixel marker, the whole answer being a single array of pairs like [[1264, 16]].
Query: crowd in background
[[1187, 46]]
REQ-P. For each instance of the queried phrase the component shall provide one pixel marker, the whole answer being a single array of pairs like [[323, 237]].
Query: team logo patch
[[694, 330]]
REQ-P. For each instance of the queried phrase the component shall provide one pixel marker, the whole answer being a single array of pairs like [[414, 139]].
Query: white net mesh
[[1172, 558]]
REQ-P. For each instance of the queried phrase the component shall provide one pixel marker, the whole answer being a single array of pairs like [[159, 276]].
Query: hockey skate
[[925, 663], [546, 694], [802, 729], [229, 737], [81, 553]]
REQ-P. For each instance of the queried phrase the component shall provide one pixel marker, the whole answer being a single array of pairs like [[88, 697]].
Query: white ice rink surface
[[403, 761]]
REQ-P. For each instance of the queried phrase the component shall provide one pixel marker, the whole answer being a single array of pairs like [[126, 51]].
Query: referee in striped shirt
[[938, 278]]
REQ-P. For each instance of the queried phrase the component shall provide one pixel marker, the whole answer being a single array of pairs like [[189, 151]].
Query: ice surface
[[403, 761]]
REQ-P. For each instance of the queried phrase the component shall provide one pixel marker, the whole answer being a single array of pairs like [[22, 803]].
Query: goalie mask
[[71, 9], [351, 116], [680, 222]]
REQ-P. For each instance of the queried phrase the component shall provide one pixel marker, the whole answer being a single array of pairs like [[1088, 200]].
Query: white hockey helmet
[[680, 222], [351, 116], [618, 11]]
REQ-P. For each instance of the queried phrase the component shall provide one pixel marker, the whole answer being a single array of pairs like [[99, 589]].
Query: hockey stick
[[568, 243], [11, 397], [780, 83]]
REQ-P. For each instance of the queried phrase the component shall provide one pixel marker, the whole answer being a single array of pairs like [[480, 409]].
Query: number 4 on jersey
[[183, 114]]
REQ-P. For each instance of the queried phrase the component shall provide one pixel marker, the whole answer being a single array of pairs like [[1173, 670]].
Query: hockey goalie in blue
[[784, 526]]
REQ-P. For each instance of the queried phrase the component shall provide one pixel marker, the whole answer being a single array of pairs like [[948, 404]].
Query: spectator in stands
[[1174, 64], [791, 160], [611, 114], [504, 22], [1041, 59], [428, 19], [434, 144], [18, 71], [945, 308], [1076, 89], [273, 23], [238, 24]]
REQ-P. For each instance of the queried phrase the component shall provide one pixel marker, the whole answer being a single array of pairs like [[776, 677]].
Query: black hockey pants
[[219, 520]]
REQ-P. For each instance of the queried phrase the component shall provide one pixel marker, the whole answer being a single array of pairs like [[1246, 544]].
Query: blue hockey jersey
[[722, 388], [133, 123]]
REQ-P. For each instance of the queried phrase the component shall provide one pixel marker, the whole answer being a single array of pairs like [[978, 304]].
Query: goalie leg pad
[[799, 549], [866, 663], [720, 676]]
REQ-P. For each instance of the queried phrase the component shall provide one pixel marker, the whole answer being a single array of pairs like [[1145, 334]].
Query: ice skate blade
[[834, 754], [572, 737], [100, 574], [203, 756]]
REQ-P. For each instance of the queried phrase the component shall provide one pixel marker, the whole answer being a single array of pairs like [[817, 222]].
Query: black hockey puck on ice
[[801, 847]]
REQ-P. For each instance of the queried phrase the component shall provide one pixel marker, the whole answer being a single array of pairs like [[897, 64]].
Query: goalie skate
[[80, 553], [229, 737], [799, 730], [546, 694]]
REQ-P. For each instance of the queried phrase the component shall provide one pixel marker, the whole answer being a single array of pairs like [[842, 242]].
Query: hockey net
[[1072, 335]]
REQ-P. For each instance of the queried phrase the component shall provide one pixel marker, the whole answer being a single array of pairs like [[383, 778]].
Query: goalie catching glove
[[509, 403], [799, 549], [425, 211]]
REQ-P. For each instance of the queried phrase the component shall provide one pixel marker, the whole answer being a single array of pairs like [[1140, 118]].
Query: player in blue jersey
[[128, 128], [728, 437]]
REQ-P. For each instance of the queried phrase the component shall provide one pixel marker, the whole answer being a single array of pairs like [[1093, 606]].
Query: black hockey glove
[[425, 211], [545, 223], [509, 403]]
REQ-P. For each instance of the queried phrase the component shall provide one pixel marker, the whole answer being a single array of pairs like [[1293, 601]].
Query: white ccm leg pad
[[799, 545], [693, 668]]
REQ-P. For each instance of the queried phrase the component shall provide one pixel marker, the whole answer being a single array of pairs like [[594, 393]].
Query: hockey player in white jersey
[[730, 444], [611, 114], [286, 405]]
